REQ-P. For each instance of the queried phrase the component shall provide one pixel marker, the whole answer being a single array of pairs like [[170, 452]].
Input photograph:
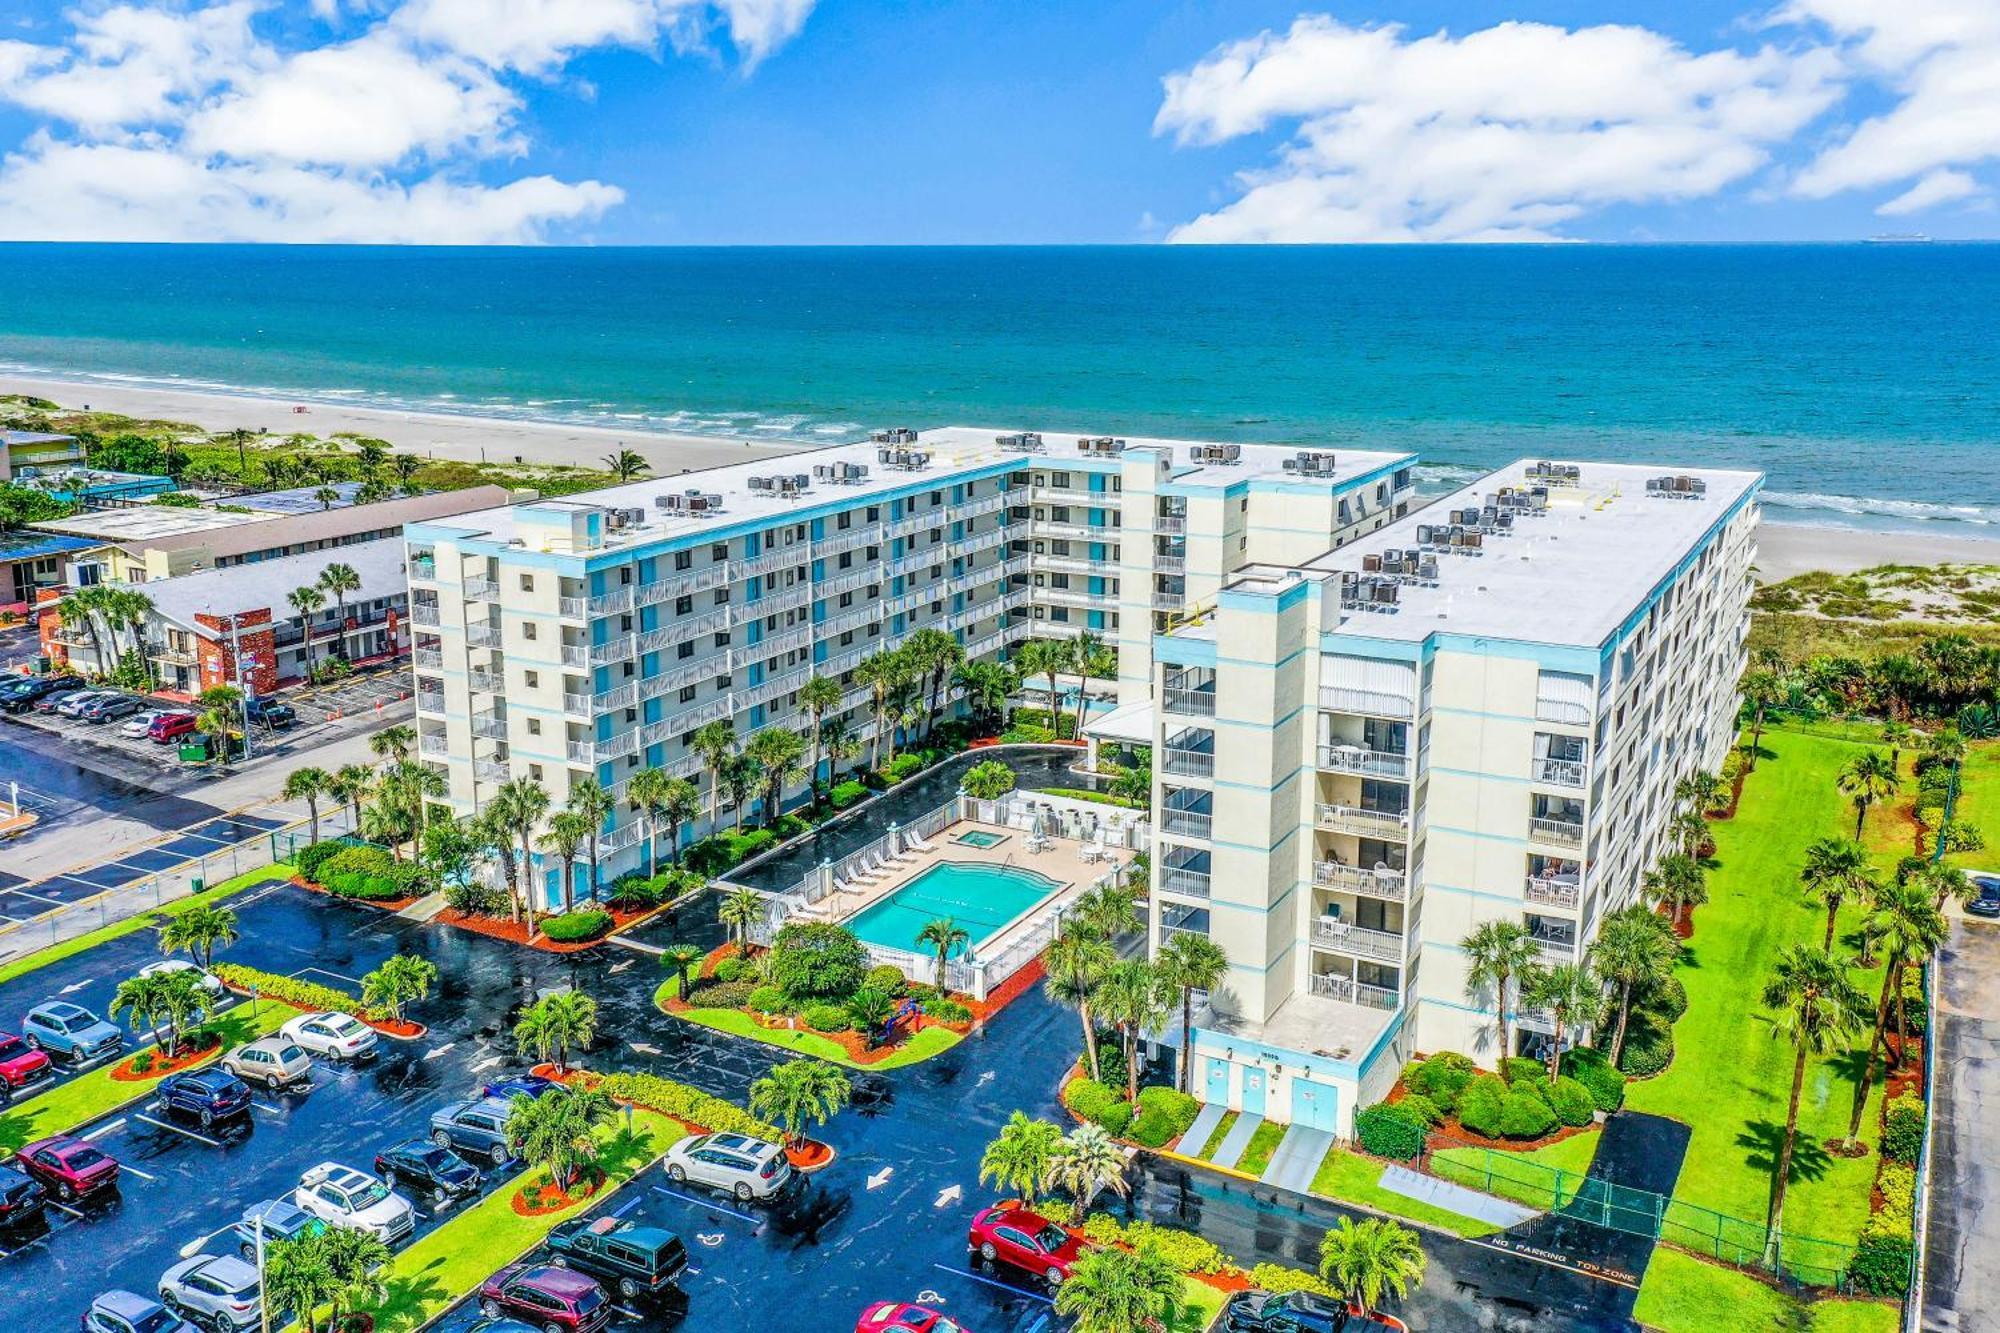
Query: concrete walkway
[[1236, 1140], [1204, 1125], [1442, 1193], [1297, 1159]]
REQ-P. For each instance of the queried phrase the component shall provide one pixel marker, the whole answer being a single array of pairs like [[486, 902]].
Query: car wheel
[[34, 1042], [627, 1288], [742, 1191], [559, 1261], [987, 1252], [439, 1195], [274, 1081], [677, 1175], [1053, 1277], [490, 1308], [249, 1253], [65, 1191], [440, 1138], [207, 1117], [552, 1327], [499, 1155]]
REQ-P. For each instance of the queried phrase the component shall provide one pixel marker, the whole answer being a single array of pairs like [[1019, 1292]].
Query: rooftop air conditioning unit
[[896, 435], [1027, 441]]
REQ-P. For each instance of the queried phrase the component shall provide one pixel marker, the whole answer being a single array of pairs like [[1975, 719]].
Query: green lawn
[[1518, 1175], [1354, 1179], [1264, 1141], [55, 953], [1217, 1135], [1730, 1079], [1682, 1294], [453, 1260], [1202, 1304], [926, 1043], [90, 1096]]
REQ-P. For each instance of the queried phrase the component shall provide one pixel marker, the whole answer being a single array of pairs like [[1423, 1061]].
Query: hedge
[[1278, 1280], [886, 978], [717, 853], [309, 860], [847, 793], [1480, 1104], [1903, 1129], [730, 969], [572, 927], [1185, 1251], [1442, 1078], [768, 1000], [1572, 1102], [905, 766], [1592, 1068], [1388, 1130], [1881, 1264], [1526, 1114], [825, 1016], [947, 1010], [292, 990], [688, 1104], [1099, 1104], [1898, 1214], [1164, 1114]]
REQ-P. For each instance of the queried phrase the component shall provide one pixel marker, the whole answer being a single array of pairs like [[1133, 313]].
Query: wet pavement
[[1961, 1281]]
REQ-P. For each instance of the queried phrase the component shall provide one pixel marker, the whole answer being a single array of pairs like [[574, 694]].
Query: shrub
[[1111, 1063], [142, 1063], [1572, 1102], [846, 793], [1277, 1279], [730, 969], [572, 927], [1064, 726], [1480, 1104], [475, 898], [1387, 1130], [889, 980], [824, 1016], [1442, 1078], [1524, 1115], [1916, 1011], [988, 781], [904, 766], [357, 858], [816, 960], [1519, 1069], [291, 990], [1881, 1264], [1164, 1115], [713, 855], [309, 860], [1903, 1129], [633, 893], [1420, 1109], [1098, 1103], [689, 1104], [1648, 1049], [1898, 1214], [1592, 1068], [947, 1010], [712, 994], [1669, 999], [1186, 1251], [767, 1000]]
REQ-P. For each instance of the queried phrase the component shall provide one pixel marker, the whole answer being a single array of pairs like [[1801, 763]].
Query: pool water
[[979, 837], [980, 899]]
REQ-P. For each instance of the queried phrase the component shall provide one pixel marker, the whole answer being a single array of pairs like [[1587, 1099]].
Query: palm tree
[[1816, 1006], [183, 1001], [558, 1130], [1099, 664], [627, 464], [140, 997], [308, 784], [299, 1276], [741, 911], [818, 696], [679, 804], [985, 687], [741, 775], [403, 978], [356, 1258], [799, 1095], [1189, 962], [1107, 910], [555, 1025], [878, 671], [306, 602], [681, 959], [1678, 884], [1121, 1291], [934, 653], [1497, 953], [942, 935], [327, 497], [1076, 962], [394, 743], [350, 786], [221, 716], [1865, 779], [403, 791], [1572, 995], [1898, 735], [905, 712], [1363, 1260], [406, 467], [587, 797], [338, 580], [1086, 645], [1042, 657], [521, 803], [647, 791], [1085, 1163], [836, 734], [1947, 882], [1019, 1159], [1133, 998], [1634, 950], [777, 752], [1910, 929], [200, 929], [567, 832], [1836, 870], [1700, 791], [79, 609], [715, 742], [1762, 690]]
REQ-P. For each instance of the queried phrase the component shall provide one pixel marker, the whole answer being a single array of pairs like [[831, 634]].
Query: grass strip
[[1683, 1294], [91, 1096], [1354, 1179], [1534, 1183], [922, 1046], [1264, 1141], [445, 1266], [1201, 1305], [1217, 1135], [55, 953]]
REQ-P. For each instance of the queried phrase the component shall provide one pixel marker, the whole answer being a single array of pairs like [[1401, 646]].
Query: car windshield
[[290, 1053], [82, 1159], [589, 1300], [1050, 1238], [367, 1196], [11, 1046], [434, 1158], [344, 1026], [155, 1322]]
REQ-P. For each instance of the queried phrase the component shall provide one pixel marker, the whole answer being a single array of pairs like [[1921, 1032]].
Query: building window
[[534, 726], [528, 630], [535, 772], [722, 597], [687, 694], [683, 605], [685, 650], [683, 559], [527, 583], [719, 551], [531, 678]]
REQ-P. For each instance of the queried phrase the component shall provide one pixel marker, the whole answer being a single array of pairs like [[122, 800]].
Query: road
[[1961, 1287]]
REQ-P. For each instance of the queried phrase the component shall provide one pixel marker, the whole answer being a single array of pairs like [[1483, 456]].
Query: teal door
[[1314, 1105], [1253, 1092], [1215, 1082]]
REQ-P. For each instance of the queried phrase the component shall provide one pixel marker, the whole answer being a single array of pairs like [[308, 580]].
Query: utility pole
[[243, 685]]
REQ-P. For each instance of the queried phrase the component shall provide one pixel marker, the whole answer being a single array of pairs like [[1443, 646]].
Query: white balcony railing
[[1556, 951], [490, 725], [433, 743], [482, 636], [1387, 885], [1562, 713], [577, 705], [1342, 758], [573, 608], [616, 649], [482, 590], [1171, 523], [576, 655], [1188, 883], [1559, 831], [1169, 601], [610, 603], [1187, 823], [1188, 763], [1354, 992], [430, 701], [486, 682], [1192, 703], [1367, 823], [432, 658], [1375, 704], [1561, 772], [1562, 894], [1359, 941], [491, 770], [1169, 564], [850, 540], [426, 614], [618, 696]]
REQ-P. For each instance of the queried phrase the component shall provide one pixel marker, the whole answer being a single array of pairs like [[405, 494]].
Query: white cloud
[[1500, 134], [132, 65], [535, 36], [1940, 187]]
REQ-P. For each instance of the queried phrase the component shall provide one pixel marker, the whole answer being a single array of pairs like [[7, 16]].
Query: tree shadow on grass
[[410, 1300], [625, 1152], [1764, 1139]]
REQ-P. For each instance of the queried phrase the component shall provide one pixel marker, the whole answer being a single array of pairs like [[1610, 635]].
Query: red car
[[69, 1168], [172, 727], [555, 1299], [895, 1317], [1025, 1240], [20, 1063]]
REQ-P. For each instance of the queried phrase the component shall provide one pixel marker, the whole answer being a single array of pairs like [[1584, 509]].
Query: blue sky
[[855, 121]]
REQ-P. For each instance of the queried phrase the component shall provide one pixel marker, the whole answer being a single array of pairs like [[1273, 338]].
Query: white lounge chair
[[862, 872], [918, 844]]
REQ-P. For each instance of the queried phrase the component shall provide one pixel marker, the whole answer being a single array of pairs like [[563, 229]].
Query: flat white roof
[[264, 584], [1569, 576], [148, 522]]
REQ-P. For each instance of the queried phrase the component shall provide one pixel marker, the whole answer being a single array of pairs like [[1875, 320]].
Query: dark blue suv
[[207, 1095]]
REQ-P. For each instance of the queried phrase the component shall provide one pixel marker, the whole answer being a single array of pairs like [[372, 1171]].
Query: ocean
[[1864, 379]]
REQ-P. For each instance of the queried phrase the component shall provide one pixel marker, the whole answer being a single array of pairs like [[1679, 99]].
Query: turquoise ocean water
[[1864, 379]]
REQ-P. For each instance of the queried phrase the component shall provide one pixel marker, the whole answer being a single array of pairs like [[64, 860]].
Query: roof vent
[[1215, 455], [1100, 446], [840, 474], [904, 460], [1311, 463], [896, 435], [689, 504], [1027, 441], [789, 485], [1676, 488]]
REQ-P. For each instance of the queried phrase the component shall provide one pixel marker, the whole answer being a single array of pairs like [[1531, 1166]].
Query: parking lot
[[23, 901], [384, 693]]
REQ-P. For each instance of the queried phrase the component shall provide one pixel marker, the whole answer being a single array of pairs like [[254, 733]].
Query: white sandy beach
[[1785, 549]]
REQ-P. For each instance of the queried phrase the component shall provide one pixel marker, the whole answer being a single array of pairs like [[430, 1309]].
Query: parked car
[[68, 1167], [70, 704], [501, 1325], [896, 1317], [20, 1063], [209, 1094], [70, 1030], [521, 1085], [336, 1036], [108, 707], [1301, 1312], [270, 1061], [24, 696], [746, 1167], [1025, 1240], [21, 1198], [553, 1298], [217, 1292], [280, 1219], [270, 713], [631, 1257], [425, 1167], [170, 727], [141, 723], [340, 1196], [129, 1312], [478, 1129], [209, 981], [1988, 901]]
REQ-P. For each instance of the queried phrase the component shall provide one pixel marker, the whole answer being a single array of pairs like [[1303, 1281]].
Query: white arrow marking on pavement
[[949, 1195], [436, 1051], [74, 987], [881, 1178], [984, 1079], [642, 1048], [616, 968], [488, 1063]]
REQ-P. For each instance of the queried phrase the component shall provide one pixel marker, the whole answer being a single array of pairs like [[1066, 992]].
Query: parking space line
[[708, 1203], [71, 1211], [106, 1129], [267, 1110], [143, 1175], [164, 1124], [995, 1282], [23, 893]]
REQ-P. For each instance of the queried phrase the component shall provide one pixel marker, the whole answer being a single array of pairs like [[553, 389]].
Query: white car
[[141, 724], [209, 981], [340, 1196], [336, 1036]]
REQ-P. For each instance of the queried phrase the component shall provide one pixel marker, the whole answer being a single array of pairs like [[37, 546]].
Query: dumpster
[[194, 751]]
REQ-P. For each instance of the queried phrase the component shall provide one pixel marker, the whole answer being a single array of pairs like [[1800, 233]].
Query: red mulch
[[1008, 991], [516, 932], [853, 1043], [401, 1028], [125, 1073], [810, 1155], [546, 1198], [385, 904]]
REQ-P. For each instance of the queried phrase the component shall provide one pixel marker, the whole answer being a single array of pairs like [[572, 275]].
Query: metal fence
[[1732, 1240], [1913, 1300]]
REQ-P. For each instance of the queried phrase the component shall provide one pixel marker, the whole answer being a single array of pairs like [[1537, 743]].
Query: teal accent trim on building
[[1361, 645], [1514, 900], [1509, 839], [1176, 651], [1556, 657]]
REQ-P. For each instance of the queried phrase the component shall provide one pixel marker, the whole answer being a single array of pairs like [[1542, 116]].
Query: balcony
[[1071, 495], [1341, 757], [179, 656], [618, 696], [1191, 703], [576, 655], [423, 568], [1554, 951], [684, 584], [777, 601], [850, 540], [715, 710], [784, 641], [614, 602], [1561, 772], [1353, 992], [710, 622], [572, 608], [1187, 823], [1369, 702], [1545, 891], [1069, 597], [1386, 884], [486, 682], [430, 701], [1170, 564], [769, 562], [1560, 832], [617, 649], [859, 618], [985, 504], [434, 743], [852, 580], [1353, 819], [1187, 883], [1188, 763], [426, 614], [490, 725], [482, 590], [1172, 523], [1169, 601], [1357, 941], [1075, 564], [577, 705], [430, 658], [482, 636], [1073, 531], [1561, 713]]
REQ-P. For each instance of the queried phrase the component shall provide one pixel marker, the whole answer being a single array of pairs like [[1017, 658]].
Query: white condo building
[[593, 635], [1478, 713]]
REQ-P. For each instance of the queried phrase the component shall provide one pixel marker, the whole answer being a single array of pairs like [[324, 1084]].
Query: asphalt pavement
[[1961, 1288]]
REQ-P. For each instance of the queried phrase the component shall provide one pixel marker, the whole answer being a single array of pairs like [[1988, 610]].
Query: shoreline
[[1785, 548]]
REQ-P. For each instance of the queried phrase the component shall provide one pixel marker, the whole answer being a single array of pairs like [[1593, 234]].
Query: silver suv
[[746, 1167], [272, 1062], [213, 1291]]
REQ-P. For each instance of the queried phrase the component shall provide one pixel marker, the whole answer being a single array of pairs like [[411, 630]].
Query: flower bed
[[195, 1049], [690, 1106], [539, 1200], [516, 932], [311, 997], [809, 1155]]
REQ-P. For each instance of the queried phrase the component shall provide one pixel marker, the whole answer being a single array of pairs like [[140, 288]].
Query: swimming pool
[[980, 899]]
